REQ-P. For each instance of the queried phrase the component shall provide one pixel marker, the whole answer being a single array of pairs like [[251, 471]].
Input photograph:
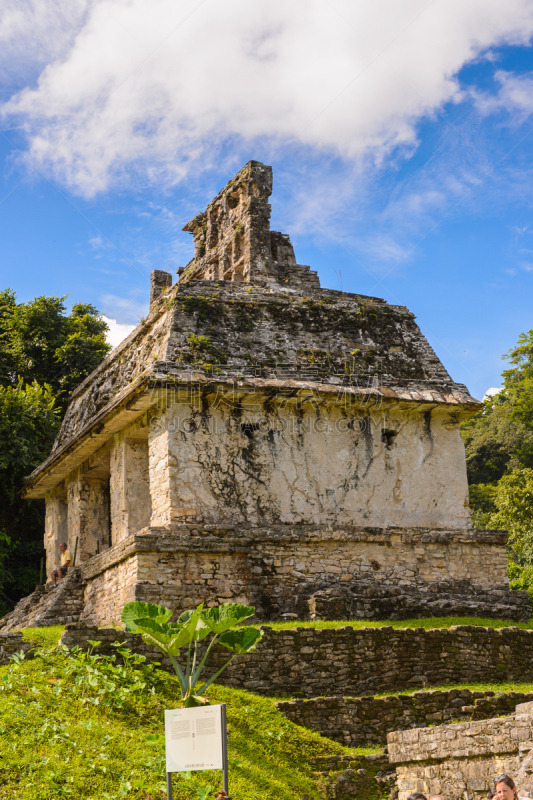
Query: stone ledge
[[363, 721], [211, 539], [494, 736]]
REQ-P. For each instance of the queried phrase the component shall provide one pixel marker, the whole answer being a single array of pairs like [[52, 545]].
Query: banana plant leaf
[[243, 640], [140, 610], [225, 616]]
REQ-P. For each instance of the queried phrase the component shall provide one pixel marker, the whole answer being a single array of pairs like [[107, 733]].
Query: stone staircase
[[47, 606]]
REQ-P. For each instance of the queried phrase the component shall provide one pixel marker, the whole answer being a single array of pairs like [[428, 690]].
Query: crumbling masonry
[[260, 439]]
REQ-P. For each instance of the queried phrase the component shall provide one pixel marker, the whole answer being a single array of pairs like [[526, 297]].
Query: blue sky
[[400, 135]]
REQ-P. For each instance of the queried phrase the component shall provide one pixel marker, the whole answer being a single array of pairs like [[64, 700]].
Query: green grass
[[505, 686], [77, 726], [43, 637], [427, 624]]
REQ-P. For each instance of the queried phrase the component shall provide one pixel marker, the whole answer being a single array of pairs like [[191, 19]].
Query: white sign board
[[193, 738]]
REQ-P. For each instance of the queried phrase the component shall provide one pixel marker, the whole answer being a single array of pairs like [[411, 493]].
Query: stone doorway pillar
[[130, 488], [55, 527], [88, 515]]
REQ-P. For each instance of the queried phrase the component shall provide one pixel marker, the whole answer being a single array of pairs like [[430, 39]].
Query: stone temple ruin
[[263, 440]]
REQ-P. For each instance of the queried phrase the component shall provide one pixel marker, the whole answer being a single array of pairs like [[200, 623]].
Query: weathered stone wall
[[364, 721], [459, 761], [233, 241], [328, 338], [120, 369], [11, 643], [320, 464], [287, 570], [308, 663], [107, 594]]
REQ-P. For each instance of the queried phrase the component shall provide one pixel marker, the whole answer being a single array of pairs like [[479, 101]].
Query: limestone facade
[[261, 439]]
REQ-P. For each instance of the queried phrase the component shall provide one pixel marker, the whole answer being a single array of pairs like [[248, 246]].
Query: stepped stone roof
[[246, 317]]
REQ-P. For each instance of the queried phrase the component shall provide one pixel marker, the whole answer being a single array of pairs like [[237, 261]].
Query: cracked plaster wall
[[319, 466]]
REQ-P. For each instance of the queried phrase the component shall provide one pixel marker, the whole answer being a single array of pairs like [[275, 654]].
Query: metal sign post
[[196, 739], [224, 748]]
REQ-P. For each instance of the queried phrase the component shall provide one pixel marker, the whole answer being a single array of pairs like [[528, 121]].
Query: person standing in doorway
[[61, 571]]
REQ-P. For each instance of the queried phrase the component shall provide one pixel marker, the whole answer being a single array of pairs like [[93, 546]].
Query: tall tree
[[499, 454], [45, 353], [28, 424], [500, 436], [40, 342]]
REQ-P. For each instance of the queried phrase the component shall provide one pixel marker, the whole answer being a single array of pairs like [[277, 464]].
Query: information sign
[[194, 738]]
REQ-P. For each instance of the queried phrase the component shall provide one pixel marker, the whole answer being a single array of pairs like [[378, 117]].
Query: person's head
[[417, 796], [62, 547], [505, 788], [436, 797]]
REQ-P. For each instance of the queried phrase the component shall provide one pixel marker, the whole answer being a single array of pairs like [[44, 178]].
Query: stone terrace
[[312, 662]]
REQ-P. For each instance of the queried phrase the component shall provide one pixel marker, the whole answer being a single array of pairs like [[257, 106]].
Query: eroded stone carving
[[233, 240]]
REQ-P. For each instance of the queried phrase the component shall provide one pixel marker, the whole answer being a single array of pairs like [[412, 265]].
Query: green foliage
[[482, 497], [43, 637], [29, 422], [192, 627], [500, 437], [499, 453], [514, 503], [503, 686], [40, 342], [495, 441], [59, 738], [520, 576], [44, 354], [202, 352], [140, 610]]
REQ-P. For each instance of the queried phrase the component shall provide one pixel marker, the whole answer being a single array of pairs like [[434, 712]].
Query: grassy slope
[[56, 742]]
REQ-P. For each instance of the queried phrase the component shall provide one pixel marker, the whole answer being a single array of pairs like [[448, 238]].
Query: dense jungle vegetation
[[44, 354], [499, 457]]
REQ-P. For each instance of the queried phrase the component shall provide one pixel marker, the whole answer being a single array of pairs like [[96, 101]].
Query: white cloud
[[117, 332], [150, 88], [34, 33], [515, 95], [491, 392]]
